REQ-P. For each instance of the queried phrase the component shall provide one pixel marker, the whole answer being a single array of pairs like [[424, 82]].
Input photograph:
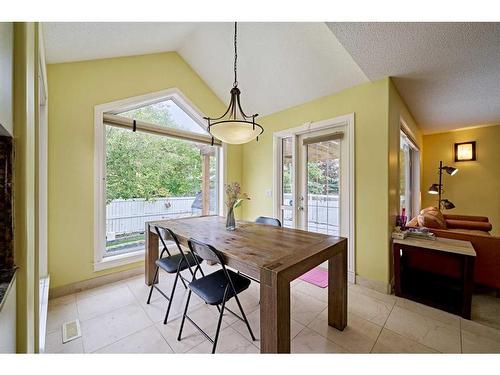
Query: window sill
[[119, 260]]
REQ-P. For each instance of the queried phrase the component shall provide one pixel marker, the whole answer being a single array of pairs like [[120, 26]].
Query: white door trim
[[345, 120]]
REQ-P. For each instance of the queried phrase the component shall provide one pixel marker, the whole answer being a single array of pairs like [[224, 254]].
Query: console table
[[436, 289]]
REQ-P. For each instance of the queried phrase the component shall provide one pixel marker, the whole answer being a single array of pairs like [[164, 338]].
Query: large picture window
[[165, 169]]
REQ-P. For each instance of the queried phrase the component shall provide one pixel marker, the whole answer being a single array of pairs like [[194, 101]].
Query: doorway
[[314, 179]]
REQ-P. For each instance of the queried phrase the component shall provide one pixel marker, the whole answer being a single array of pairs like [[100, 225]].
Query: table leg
[[274, 313], [468, 283], [151, 254], [396, 256], [337, 289]]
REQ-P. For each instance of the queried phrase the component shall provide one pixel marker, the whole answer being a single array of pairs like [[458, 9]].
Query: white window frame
[[346, 121], [174, 94], [413, 170]]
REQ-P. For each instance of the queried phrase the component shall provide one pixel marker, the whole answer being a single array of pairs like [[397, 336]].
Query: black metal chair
[[172, 264], [215, 289], [268, 220]]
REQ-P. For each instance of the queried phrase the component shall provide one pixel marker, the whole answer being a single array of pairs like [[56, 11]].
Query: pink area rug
[[317, 276]]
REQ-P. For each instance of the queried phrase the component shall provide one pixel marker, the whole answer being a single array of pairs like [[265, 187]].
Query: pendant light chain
[[234, 126], [235, 84]]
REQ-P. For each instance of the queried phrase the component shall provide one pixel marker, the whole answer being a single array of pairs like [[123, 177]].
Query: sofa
[[475, 229]]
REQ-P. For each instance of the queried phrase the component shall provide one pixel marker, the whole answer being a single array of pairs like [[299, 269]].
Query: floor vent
[[71, 331]]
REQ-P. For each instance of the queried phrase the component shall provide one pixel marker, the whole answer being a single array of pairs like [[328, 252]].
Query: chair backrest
[[168, 235], [210, 253], [268, 220], [205, 251]]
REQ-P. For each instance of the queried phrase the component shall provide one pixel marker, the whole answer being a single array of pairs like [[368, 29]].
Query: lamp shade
[[235, 132], [450, 170], [434, 189], [447, 205]]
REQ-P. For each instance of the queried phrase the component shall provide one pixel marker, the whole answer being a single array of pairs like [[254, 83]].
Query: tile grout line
[[131, 304], [383, 326], [122, 338], [154, 324], [136, 302], [419, 343], [314, 331]]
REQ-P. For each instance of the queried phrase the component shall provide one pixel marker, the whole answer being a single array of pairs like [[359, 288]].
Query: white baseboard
[[44, 304], [351, 277], [95, 282]]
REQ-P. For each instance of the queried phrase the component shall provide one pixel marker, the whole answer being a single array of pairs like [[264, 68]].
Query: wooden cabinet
[[8, 319], [448, 287]]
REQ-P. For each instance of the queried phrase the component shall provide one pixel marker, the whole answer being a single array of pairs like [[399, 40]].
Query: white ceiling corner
[[79, 41], [447, 73]]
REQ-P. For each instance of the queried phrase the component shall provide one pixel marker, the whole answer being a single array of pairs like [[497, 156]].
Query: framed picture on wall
[[465, 151]]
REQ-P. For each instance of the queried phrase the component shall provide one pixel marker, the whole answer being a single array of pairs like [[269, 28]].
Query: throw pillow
[[431, 217]]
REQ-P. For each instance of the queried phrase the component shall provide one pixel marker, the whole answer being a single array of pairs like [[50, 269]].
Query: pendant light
[[234, 126]]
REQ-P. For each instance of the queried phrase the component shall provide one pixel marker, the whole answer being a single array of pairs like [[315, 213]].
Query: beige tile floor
[[116, 319]]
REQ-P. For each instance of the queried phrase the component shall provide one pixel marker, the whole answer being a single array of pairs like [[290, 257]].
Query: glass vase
[[230, 222]]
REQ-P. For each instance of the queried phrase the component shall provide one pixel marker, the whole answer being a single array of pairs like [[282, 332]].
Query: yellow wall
[[475, 189], [398, 111], [369, 102], [25, 86], [74, 90]]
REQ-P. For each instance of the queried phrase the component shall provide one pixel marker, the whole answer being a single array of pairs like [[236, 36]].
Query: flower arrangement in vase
[[234, 198]]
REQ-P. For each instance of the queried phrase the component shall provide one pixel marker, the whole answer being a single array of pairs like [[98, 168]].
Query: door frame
[[346, 121]]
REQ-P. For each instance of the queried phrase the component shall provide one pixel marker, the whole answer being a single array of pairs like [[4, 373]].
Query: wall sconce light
[[465, 151]]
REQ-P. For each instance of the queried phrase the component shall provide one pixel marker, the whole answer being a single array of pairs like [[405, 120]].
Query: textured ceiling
[[447, 73], [280, 65], [77, 41]]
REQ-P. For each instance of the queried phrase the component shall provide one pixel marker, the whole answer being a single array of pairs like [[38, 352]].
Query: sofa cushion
[[431, 217], [465, 224], [466, 217], [472, 232]]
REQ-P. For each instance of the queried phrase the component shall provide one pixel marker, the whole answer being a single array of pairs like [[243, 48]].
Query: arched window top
[[165, 112]]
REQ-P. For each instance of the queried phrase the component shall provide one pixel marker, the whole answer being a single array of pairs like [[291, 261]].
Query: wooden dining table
[[275, 256]]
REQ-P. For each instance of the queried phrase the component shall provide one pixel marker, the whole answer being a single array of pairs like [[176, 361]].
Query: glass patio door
[[319, 170], [314, 179]]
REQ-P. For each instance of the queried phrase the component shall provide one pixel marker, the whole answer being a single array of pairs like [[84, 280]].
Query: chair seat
[[211, 288], [170, 264]]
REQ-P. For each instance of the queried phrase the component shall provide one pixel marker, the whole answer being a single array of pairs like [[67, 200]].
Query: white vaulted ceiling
[[280, 65], [448, 73]]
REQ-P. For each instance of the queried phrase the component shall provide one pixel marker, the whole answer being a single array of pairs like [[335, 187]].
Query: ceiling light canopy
[[234, 126]]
